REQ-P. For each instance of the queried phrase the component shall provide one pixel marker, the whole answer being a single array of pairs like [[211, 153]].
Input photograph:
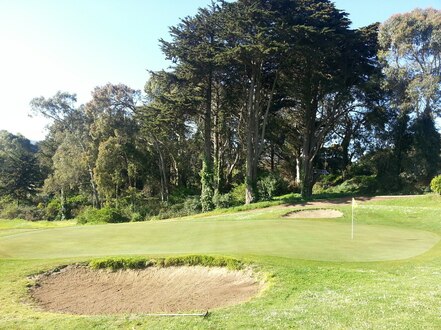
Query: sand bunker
[[309, 214], [80, 290]]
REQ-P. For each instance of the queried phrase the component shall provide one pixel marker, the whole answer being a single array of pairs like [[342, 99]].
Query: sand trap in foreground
[[80, 290], [310, 214]]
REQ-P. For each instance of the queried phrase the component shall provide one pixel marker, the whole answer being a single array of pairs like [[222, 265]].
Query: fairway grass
[[389, 277]]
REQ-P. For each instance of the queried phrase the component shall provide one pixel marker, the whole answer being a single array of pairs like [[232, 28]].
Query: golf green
[[300, 239]]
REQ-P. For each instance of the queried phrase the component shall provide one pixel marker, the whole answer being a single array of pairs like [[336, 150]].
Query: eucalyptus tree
[[113, 132], [69, 122], [411, 54]]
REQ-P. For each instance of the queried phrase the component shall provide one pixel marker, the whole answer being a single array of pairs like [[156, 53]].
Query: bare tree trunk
[[250, 133], [256, 120], [298, 175]]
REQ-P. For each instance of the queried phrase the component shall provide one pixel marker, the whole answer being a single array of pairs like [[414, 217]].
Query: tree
[[67, 175], [68, 120], [411, 52], [411, 56], [112, 138], [19, 171], [253, 49], [326, 72], [194, 48]]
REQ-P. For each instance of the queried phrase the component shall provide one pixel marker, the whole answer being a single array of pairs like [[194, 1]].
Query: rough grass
[[303, 294], [142, 262]]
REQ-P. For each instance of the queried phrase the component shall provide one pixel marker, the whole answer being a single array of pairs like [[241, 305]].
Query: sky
[[76, 45]]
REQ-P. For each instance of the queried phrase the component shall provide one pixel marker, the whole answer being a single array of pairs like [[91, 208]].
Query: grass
[[341, 291], [143, 262], [16, 226]]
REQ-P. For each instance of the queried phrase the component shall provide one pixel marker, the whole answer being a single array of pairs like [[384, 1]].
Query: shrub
[[267, 187], [222, 201], [238, 194], [435, 184], [192, 205], [104, 215], [365, 184], [52, 209], [25, 212], [136, 217]]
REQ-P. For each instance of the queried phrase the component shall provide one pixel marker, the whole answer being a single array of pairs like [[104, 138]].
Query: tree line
[[262, 95]]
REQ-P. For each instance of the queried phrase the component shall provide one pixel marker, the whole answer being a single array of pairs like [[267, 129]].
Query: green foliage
[[207, 191], [191, 205], [409, 44], [103, 215], [190, 260], [362, 184], [222, 201], [267, 187], [238, 194], [73, 207], [25, 212], [435, 184], [19, 170], [52, 210]]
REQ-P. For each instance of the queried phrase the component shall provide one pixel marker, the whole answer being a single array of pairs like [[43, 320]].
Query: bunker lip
[[80, 290], [314, 214]]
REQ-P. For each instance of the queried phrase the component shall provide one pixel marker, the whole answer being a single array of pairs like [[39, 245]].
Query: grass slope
[[394, 294]]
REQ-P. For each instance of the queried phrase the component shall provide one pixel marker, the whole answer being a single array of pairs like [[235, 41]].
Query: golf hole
[[315, 214], [83, 291]]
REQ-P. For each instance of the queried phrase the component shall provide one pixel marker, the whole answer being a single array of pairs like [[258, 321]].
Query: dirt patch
[[311, 214], [81, 290]]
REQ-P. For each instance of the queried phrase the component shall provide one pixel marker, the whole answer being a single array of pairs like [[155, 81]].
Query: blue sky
[[75, 45]]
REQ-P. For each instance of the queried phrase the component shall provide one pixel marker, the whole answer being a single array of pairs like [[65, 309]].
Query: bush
[[52, 209], [267, 187], [192, 205], [222, 201], [238, 194], [363, 184], [435, 184], [104, 215], [14, 211], [136, 217]]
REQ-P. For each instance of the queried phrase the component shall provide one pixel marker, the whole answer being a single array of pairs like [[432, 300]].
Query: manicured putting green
[[303, 239]]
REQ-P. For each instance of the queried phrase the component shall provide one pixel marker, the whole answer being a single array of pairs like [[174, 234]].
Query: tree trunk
[[256, 119], [308, 177], [250, 191], [207, 161], [298, 172], [162, 171], [309, 149]]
